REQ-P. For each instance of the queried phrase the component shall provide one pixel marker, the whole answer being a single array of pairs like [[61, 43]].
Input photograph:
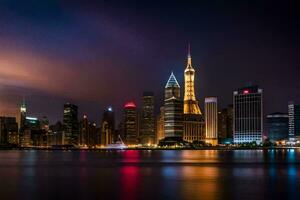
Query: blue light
[[110, 109]]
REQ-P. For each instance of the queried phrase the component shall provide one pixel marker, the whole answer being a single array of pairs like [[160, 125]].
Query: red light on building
[[130, 105], [246, 92]]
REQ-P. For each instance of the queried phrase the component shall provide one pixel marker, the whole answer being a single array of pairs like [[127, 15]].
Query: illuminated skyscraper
[[70, 123], [211, 120], [294, 121], [23, 111], [108, 127], [147, 130], [193, 123], [84, 131], [173, 109], [22, 124], [190, 104], [248, 115], [130, 123]]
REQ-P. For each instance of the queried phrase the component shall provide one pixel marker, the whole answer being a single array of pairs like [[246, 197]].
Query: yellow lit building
[[190, 104], [211, 120], [193, 123]]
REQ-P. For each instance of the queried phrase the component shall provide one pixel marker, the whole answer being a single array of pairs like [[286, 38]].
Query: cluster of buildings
[[180, 122]]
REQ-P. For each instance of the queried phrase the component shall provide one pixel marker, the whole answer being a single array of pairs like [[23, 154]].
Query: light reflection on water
[[241, 174]]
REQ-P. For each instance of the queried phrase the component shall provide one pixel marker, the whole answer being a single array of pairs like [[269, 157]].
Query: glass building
[[277, 126], [294, 121], [130, 124], [70, 123], [147, 130], [248, 115], [173, 109], [108, 127]]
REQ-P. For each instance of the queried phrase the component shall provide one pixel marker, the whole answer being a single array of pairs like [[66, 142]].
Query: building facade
[[225, 125], [9, 131], [147, 121], [248, 115], [294, 121], [193, 122], [130, 124], [160, 125], [108, 133], [70, 123], [173, 124], [211, 120], [84, 131], [277, 126]]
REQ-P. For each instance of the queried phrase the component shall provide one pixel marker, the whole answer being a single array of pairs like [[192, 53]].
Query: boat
[[118, 145]]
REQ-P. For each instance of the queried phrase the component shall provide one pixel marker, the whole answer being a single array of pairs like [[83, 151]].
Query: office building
[[294, 121], [147, 121], [277, 126], [160, 125], [8, 131], [130, 124], [225, 125], [70, 123], [108, 133], [248, 115], [84, 131], [211, 120], [173, 109]]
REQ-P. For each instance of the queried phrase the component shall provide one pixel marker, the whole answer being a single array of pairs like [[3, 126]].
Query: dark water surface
[[131, 174]]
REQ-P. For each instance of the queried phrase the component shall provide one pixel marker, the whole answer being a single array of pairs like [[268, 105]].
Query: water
[[129, 175]]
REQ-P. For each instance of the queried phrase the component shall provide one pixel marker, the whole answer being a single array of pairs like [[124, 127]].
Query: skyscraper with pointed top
[[193, 121], [173, 125], [190, 103]]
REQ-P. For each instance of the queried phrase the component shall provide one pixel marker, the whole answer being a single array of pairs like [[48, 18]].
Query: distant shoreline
[[146, 149]]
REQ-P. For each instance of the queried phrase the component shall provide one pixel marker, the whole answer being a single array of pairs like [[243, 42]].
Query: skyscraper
[[193, 123], [84, 131], [23, 111], [294, 121], [211, 120], [130, 123], [70, 123], [277, 126], [190, 104], [225, 122], [248, 115], [160, 125], [108, 127], [22, 124], [147, 130], [173, 109], [8, 130]]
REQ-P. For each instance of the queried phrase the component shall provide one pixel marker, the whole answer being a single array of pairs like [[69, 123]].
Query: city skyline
[[66, 51]]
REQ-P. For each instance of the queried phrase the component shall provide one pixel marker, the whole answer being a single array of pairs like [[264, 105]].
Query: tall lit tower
[[173, 109], [23, 111], [190, 104], [70, 122], [211, 120], [248, 115]]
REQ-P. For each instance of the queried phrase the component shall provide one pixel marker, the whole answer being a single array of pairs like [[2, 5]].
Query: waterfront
[[150, 174]]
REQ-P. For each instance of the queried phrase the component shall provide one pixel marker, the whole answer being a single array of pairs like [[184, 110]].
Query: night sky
[[96, 54]]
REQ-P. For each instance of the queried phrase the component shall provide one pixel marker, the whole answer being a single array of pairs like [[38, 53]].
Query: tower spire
[[189, 61]]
